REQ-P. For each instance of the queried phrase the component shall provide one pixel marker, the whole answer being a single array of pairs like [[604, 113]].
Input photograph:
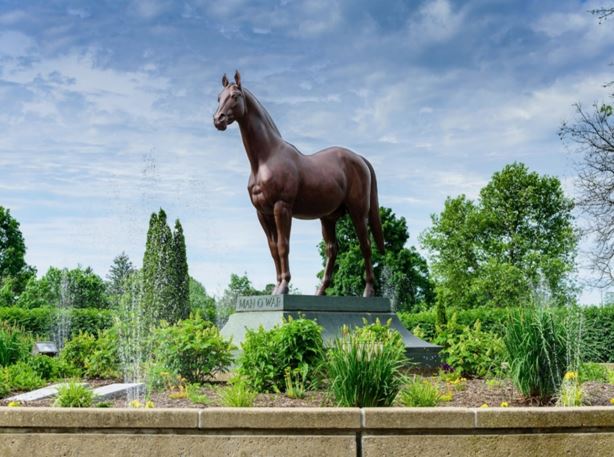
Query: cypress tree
[[181, 276], [165, 272], [150, 266]]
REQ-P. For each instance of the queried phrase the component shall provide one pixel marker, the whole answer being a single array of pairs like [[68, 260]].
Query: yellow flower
[[149, 404], [135, 404], [570, 376], [13, 404], [611, 401], [484, 405], [504, 404]]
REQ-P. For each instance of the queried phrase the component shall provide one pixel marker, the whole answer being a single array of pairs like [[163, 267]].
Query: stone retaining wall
[[399, 432]]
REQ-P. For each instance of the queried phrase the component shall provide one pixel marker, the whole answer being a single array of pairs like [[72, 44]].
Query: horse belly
[[317, 202]]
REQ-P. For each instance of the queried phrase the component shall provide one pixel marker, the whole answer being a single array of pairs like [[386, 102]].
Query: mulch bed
[[472, 393]]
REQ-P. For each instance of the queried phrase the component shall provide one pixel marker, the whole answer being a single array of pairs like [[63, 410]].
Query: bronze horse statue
[[285, 183]]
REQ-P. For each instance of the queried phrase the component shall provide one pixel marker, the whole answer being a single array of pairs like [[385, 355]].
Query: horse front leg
[[330, 239], [283, 222], [268, 225]]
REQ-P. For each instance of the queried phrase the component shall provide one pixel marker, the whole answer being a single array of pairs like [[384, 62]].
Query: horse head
[[231, 103]]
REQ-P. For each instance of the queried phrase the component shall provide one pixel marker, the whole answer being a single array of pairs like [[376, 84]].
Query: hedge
[[41, 321], [598, 333]]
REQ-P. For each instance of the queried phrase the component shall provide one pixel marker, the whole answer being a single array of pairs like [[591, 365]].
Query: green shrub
[[21, 376], [364, 368], [238, 395], [41, 321], [51, 368], [295, 344], [78, 349], [599, 333], [597, 337], [538, 348], [295, 382], [15, 345], [419, 392], [471, 351], [591, 371], [95, 357], [74, 395], [193, 348], [4, 383], [103, 362]]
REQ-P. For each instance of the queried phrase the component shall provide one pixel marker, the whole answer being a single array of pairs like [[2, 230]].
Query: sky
[[107, 113]]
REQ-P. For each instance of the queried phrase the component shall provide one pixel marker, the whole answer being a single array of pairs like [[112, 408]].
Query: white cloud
[[435, 22]]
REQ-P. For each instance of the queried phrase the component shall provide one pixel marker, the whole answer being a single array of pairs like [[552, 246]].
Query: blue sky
[[107, 106]]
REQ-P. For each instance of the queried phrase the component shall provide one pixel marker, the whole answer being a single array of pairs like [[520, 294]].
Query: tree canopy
[[401, 273], [14, 271], [592, 135], [518, 238]]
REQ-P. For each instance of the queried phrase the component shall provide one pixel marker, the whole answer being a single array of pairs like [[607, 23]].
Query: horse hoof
[[369, 291]]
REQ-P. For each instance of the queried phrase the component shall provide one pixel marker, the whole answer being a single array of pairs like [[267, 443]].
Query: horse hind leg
[[360, 224], [330, 239]]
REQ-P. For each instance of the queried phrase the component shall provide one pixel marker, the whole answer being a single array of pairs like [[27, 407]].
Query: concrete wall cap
[[280, 418], [417, 418], [98, 418], [549, 417]]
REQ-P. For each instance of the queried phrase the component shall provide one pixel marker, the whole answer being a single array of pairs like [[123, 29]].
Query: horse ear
[[238, 78], [224, 80]]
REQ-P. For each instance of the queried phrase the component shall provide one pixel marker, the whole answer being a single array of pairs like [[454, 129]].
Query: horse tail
[[374, 220]]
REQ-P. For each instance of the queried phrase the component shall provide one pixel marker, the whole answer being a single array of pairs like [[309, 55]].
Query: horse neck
[[258, 131]]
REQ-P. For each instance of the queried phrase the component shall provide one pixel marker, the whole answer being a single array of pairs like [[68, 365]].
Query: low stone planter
[[368, 432]]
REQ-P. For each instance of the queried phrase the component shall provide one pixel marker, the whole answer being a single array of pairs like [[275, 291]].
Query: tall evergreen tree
[[165, 272], [181, 276], [119, 271]]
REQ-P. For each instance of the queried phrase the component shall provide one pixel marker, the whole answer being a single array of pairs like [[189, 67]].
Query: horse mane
[[263, 112]]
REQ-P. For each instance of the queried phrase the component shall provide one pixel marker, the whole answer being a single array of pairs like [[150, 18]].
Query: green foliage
[[14, 272], [295, 344], [119, 272], [74, 395], [400, 272], [165, 272], [193, 348], [103, 362], [4, 383], [51, 368], [591, 371], [237, 286], [93, 356], [419, 392], [21, 376], [77, 350], [599, 333], [538, 346], [40, 321], [471, 351], [195, 395], [518, 237], [571, 393], [200, 302], [238, 395], [15, 345], [78, 288], [364, 368], [295, 381]]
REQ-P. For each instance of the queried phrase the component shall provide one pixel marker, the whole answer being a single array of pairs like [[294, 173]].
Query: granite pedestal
[[332, 313]]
